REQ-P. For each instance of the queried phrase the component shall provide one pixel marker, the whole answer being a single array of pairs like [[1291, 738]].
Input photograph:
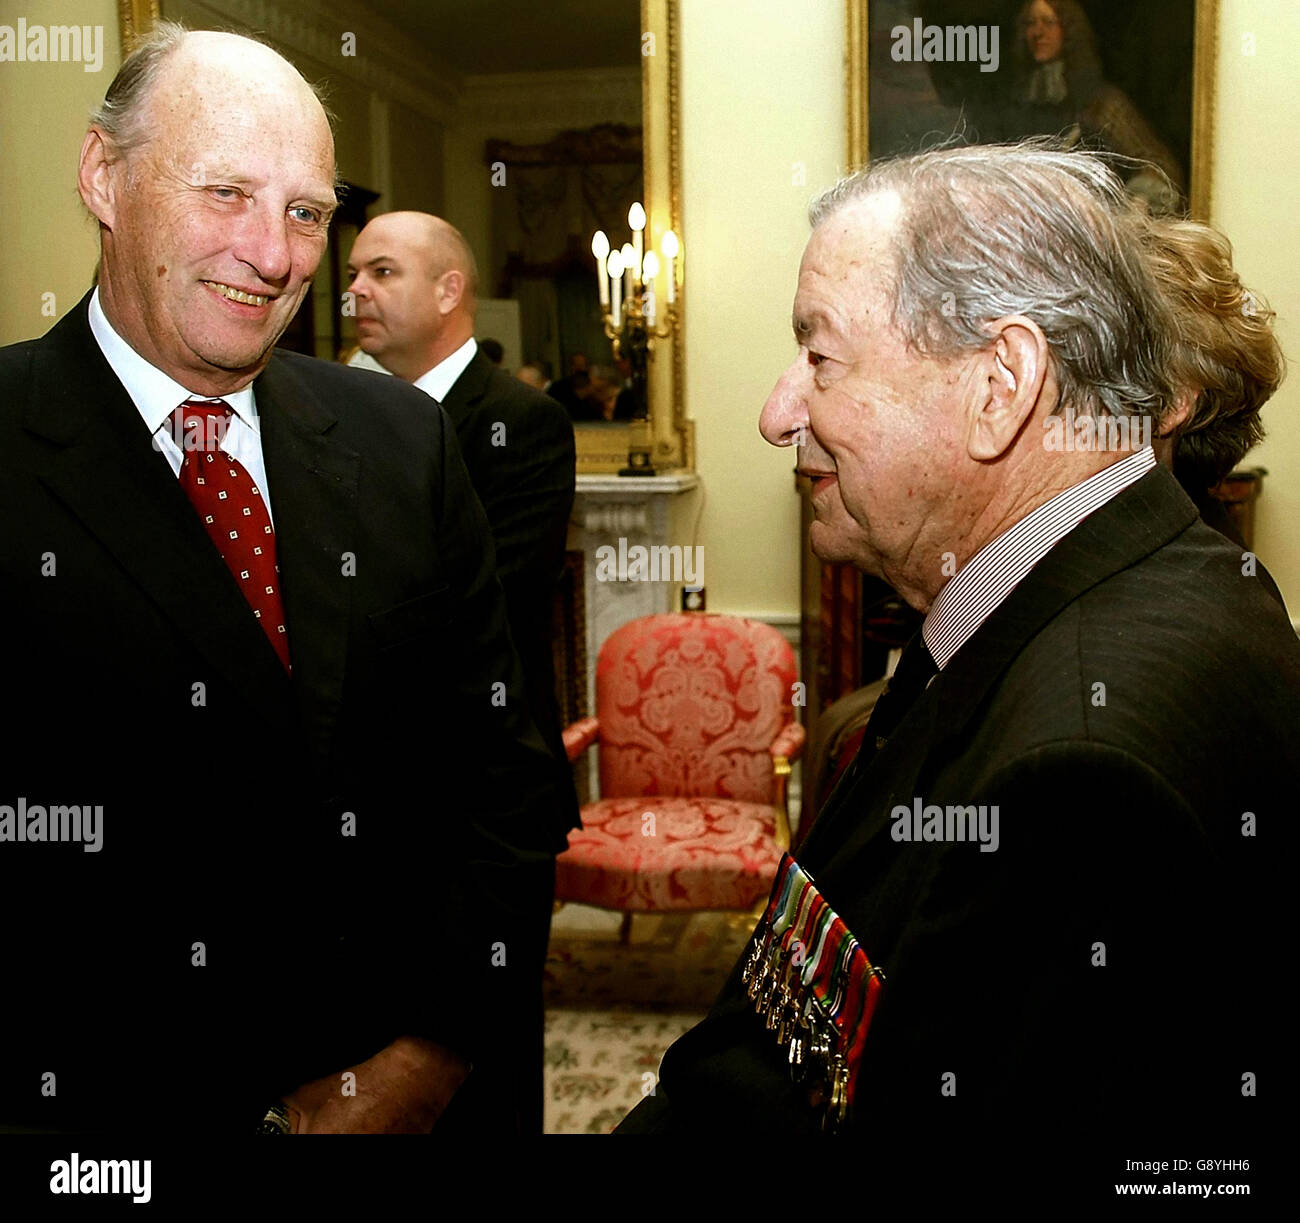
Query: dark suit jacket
[[519, 448], [350, 846], [1121, 816]]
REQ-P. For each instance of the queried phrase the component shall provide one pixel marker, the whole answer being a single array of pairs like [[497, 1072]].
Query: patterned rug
[[612, 1010]]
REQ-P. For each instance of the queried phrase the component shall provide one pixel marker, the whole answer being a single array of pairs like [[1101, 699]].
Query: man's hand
[[403, 1089]]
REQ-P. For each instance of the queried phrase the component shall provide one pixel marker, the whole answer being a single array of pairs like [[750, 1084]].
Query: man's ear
[[1012, 376], [451, 288], [1178, 412], [96, 177]]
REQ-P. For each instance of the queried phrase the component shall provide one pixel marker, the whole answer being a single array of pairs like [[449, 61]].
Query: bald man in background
[[416, 287], [415, 283]]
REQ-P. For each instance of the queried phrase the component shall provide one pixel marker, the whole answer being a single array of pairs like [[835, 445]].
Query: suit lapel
[[105, 470], [889, 777], [313, 485], [1142, 518], [468, 389]]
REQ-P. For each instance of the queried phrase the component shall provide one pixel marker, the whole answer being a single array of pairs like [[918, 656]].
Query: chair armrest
[[580, 736], [789, 742], [786, 747]]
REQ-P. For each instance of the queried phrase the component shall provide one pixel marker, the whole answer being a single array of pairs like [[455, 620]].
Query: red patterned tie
[[232, 510]]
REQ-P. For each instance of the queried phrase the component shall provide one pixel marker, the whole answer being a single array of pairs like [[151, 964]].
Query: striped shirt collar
[[985, 581]]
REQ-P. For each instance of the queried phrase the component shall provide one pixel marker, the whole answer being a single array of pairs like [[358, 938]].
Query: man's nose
[[784, 419], [358, 286], [264, 245]]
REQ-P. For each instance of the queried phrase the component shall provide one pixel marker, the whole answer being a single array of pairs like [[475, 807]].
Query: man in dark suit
[[415, 284], [272, 812], [1047, 845]]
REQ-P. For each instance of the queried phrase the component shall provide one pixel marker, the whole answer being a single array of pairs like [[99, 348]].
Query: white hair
[[995, 230]]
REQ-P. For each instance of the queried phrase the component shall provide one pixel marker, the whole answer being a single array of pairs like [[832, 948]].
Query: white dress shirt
[[983, 583], [156, 396], [442, 377]]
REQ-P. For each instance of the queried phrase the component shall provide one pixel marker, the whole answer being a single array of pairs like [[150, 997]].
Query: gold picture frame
[[1205, 36]]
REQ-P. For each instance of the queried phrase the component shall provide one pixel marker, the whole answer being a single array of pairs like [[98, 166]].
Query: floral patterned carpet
[[612, 1010]]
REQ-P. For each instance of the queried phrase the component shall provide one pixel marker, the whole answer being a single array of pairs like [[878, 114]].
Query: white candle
[[600, 248], [616, 284]]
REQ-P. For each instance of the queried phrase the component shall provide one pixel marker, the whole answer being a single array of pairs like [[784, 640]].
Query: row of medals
[[809, 1037]]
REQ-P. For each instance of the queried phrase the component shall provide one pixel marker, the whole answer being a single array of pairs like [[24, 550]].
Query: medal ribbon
[[836, 973]]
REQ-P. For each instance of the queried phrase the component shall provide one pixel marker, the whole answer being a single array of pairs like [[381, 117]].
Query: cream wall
[[1256, 193], [50, 244], [762, 120]]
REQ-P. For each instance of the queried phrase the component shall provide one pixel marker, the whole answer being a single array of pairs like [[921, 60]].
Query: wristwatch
[[276, 1121]]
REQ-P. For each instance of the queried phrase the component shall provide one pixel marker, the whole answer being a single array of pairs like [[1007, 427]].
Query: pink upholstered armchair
[[695, 721]]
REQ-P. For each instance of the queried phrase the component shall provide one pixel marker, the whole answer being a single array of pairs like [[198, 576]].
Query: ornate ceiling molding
[[546, 101]]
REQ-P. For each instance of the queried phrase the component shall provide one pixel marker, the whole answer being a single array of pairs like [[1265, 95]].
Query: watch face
[[276, 1121]]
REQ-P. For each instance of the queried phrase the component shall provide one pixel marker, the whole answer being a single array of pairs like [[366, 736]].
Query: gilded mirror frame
[[1205, 47], [134, 17], [603, 449]]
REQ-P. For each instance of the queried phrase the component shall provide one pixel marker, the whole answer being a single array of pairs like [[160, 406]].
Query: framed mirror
[[526, 127]]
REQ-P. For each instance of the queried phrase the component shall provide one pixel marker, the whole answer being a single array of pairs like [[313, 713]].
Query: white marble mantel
[[667, 482], [637, 509]]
